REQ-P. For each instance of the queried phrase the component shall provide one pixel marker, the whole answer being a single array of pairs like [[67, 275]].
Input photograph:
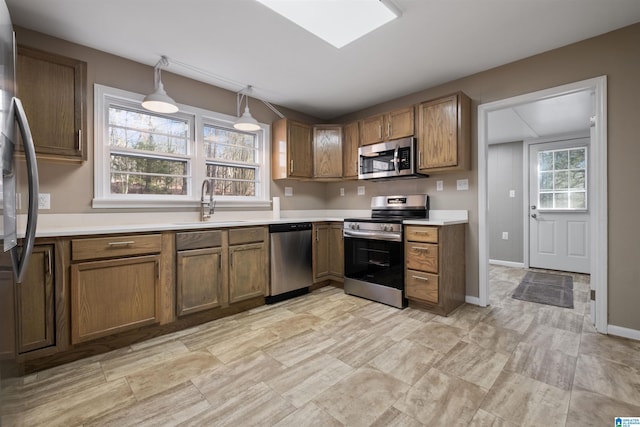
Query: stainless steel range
[[374, 251]]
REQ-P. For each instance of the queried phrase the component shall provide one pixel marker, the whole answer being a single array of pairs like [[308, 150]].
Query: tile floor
[[329, 359]]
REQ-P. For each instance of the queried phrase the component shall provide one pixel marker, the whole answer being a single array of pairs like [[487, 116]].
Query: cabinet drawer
[[116, 246], [421, 286], [198, 240], [421, 234], [422, 256], [238, 236]]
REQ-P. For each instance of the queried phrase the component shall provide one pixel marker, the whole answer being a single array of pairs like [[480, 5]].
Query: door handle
[[534, 216]]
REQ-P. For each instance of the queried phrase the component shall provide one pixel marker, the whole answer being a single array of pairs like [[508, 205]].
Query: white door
[[558, 205]]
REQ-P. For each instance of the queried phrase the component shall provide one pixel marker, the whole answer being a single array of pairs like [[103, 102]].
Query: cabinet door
[[34, 302], [444, 134], [300, 150], [372, 130], [350, 143], [438, 137], [320, 251], [400, 123], [336, 250], [112, 296], [199, 280], [52, 90], [247, 271], [327, 152]]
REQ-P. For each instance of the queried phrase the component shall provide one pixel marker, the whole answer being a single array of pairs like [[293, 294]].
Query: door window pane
[[562, 179]]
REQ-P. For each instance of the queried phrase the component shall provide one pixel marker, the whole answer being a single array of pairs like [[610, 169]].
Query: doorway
[[597, 228]]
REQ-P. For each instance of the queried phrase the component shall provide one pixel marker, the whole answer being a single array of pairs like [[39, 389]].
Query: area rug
[[546, 288]]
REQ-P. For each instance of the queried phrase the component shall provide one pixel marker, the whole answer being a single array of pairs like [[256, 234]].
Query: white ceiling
[[233, 43], [565, 114]]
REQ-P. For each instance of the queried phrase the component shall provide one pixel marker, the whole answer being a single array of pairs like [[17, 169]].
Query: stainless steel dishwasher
[[291, 260]]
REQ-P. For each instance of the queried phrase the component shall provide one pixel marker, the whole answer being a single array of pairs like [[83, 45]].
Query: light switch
[[361, 190], [288, 191], [462, 184], [342, 191], [512, 193], [505, 235]]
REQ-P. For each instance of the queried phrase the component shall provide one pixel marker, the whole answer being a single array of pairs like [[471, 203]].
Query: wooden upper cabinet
[[388, 126], [350, 142], [444, 136], [327, 151], [291, 150], [52, 89]]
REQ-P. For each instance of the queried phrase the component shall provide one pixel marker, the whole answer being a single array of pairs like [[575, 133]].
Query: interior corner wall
[[506, 188]]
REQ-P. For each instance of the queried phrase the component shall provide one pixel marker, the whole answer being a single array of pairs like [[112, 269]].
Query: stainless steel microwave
[[391, 159]]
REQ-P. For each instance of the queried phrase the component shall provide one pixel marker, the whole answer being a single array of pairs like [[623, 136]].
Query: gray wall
[[506, 212]]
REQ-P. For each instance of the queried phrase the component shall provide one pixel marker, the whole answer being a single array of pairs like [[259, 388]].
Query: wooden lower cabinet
[[435, 266], [35, 302], [199, 280], [247, 271], [112, 296], [336, 250], [328, 252], [114, 284]]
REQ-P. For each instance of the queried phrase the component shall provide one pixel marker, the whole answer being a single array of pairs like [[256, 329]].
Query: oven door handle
[[369, 235]]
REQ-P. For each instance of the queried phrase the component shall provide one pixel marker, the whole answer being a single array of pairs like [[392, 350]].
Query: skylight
[[338, 22]]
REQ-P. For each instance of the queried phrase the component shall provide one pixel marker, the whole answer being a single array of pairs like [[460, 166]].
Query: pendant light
[[245, 122], [159, 101]]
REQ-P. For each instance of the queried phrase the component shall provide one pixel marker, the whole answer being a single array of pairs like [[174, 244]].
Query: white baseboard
[[506, 263], [472, 300], [619, 331]]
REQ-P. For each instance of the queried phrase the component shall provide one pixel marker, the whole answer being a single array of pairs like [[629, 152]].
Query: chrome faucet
[[206, 207]]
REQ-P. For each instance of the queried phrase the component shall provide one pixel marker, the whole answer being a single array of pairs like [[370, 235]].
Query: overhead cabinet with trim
[[291, 149], [444, 134], [52, 89], [327, 151], [388, 126], [350, 143]]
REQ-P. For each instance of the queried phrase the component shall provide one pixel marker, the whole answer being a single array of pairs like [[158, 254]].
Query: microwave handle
[[396, 164]]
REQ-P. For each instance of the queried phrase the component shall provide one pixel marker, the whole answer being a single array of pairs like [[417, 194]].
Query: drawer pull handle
[[426, 279], [421, 232], [118, 244], [420, 248]]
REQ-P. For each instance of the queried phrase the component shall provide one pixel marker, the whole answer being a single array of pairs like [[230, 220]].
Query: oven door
[[374, 261]]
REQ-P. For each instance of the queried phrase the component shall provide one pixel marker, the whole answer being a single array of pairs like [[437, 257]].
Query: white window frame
[[104, 96]]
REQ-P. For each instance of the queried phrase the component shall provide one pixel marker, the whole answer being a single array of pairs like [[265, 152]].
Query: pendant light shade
[[245, 122], [159, 101]]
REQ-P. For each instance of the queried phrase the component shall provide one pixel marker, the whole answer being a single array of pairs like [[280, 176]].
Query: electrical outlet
[[342, 191], [505, 235], [44, 201], [439, 185], [288, 191], [462, 184], [361, 190]]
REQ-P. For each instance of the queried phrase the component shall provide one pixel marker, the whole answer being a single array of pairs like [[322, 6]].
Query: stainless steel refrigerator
[[14, 259]]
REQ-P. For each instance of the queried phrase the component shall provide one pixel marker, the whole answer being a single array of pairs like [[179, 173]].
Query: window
[[562, 181], [146, 159], [231, 161]]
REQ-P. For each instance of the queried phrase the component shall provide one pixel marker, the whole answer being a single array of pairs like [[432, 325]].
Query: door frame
[[598, 200]]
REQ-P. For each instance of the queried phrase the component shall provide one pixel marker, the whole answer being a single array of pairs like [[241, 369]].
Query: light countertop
[[60, 225]]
